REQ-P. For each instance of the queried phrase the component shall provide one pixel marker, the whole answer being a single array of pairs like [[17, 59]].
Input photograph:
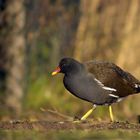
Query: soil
[[57, 126], [67, 125]]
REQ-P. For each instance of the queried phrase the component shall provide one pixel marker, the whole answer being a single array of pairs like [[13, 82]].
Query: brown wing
[[114, 77]]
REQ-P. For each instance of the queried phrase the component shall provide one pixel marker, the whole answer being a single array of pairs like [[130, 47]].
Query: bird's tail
[[137, 86]]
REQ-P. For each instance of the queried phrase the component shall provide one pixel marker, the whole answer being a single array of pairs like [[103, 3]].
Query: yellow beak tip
[[54, 73]]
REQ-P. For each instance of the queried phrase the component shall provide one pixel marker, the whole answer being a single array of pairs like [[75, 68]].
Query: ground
[[68, 130], [59, 126], [67, 125]]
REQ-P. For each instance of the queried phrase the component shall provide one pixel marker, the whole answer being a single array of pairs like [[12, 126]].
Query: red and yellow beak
[[56, 71]]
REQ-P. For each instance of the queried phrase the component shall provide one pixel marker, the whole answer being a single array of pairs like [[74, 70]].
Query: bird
[[97, 82]]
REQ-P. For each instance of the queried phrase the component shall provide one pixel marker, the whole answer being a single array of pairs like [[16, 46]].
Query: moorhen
[[101, 83]]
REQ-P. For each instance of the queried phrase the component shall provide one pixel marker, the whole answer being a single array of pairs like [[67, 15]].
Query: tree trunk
[[100, 32], [129, 52], [15, 45]]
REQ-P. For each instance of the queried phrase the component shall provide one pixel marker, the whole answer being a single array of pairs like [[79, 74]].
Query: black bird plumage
[[101, 83]]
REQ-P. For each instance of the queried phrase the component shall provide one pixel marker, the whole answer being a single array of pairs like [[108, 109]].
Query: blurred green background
[[35, 35]]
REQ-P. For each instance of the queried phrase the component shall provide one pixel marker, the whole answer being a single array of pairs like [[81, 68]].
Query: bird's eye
[[64, 65]]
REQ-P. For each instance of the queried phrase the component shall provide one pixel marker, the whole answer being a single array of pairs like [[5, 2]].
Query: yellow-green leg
[[88, 113], [111, 114]]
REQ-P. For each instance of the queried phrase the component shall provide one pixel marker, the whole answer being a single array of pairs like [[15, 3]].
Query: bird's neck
[[80, 70]]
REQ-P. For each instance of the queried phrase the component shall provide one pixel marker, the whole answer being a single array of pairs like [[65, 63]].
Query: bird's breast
[[85, 88]]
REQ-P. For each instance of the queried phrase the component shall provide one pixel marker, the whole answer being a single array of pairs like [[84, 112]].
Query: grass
[[70, 135]]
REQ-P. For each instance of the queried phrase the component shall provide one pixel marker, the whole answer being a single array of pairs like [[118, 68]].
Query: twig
[[57, 113]]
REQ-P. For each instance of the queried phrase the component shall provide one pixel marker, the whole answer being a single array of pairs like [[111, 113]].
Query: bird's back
[[113, 76]]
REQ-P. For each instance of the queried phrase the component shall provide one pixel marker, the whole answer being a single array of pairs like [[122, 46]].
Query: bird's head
[[67, 66]]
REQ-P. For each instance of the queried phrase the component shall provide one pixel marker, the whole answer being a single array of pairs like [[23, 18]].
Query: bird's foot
[[79, 120], [76, 119]]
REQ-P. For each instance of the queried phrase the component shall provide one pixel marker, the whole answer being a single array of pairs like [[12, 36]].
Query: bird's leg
[[111, 113], [88, 113]]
